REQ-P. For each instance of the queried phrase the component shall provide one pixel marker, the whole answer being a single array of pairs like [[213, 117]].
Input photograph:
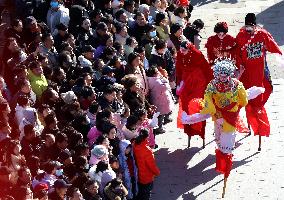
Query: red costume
[[252, 47], [194, 70], [218, 48]]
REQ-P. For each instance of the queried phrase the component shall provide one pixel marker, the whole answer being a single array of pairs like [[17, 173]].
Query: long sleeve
[[271, 45], [242, 95], [209, 107], [210, 54], [151, 163]]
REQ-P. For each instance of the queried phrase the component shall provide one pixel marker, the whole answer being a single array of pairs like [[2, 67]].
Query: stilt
[[188, 144], [259, 143], [203, 145], [224, 188], [249, 128]]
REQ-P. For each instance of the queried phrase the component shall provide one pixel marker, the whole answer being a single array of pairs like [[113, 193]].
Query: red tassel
[[223, 162]]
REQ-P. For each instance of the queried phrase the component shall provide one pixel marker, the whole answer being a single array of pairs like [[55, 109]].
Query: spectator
[[163, 30], [60, 190], [57, 14], [147, 168], [160, 95], [16, 31], [129, 169], [154, 8], [176, 37], [47, 49], [130, 44], [60, 36], [115, 190], [92, 191], [139, 28], [121, 34], [191, 32]]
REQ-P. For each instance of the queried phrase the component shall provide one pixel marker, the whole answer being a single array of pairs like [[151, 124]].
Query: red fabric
[[254, 67], [217, 48], [146, 164], [182, 2], [254, 75], [258, 119], [196, 73], [224, 162], [233, 118]]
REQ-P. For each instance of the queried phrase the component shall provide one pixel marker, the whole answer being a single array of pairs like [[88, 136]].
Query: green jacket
[[38, 83]]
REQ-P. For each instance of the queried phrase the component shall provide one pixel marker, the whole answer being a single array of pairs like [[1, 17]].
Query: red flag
[[223, 162]]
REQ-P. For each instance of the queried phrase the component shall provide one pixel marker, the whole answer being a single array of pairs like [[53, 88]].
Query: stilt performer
[[253, 42], [193, 74], [223, 99], [221, 45]]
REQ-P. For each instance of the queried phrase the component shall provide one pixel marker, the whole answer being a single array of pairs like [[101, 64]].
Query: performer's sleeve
[[206, 67], [210, 54], [243, 96], [209, 107], [271, 45], [238, 51]]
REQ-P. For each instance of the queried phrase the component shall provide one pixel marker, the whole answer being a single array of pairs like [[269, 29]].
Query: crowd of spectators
[[85, 87]]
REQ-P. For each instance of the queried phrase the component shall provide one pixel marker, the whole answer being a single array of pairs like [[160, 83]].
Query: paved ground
[[189, 173]]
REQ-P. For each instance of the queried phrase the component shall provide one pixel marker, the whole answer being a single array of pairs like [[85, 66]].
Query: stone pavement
[[188, 173]]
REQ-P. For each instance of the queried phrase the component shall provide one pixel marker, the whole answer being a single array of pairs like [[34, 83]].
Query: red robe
[[196, 73], [217, 48], [252, 55]]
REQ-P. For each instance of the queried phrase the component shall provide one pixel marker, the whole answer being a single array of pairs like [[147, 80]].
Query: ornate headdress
[[224, 66]]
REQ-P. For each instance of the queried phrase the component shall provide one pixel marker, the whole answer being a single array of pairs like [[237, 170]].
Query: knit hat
[[175, 28], [98, 152], [250, 19], [221, 27], [30, 115], [69, 97]]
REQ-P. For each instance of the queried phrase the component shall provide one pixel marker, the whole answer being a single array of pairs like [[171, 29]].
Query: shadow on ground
[[204, 2], [272, 20], [173, 166]]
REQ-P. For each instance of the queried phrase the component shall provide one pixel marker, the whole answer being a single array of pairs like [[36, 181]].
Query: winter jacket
[[124, 167], [160, 94], [93, 134], [38, 83], [147, 125], [147, 168]]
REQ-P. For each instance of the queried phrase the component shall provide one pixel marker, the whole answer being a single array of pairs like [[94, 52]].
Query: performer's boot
[[203, 144]]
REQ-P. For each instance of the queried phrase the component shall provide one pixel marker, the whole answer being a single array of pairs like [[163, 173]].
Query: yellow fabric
[[239, 96], [38, 83]]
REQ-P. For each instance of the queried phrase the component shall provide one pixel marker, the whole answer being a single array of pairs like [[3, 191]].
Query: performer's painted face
[[223, 78], [249, 28], [183, 51], [221, 35]]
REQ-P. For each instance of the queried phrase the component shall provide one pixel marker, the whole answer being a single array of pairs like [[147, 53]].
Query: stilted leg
[[224, 188], [249, 128], [259, 144], [188, 144], [203, 145]]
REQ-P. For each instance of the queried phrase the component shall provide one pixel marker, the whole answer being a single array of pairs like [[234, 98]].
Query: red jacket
[[252, 55], [147, 168], [217, 48]]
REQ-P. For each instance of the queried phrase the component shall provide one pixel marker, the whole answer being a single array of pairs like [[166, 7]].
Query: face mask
[[54, 4], [59, 172], [153, 34], [87, 166]]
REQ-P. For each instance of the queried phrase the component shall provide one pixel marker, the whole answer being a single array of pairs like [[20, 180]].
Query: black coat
[[135, 101]]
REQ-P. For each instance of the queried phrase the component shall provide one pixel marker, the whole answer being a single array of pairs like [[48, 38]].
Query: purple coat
[[160, 94]]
